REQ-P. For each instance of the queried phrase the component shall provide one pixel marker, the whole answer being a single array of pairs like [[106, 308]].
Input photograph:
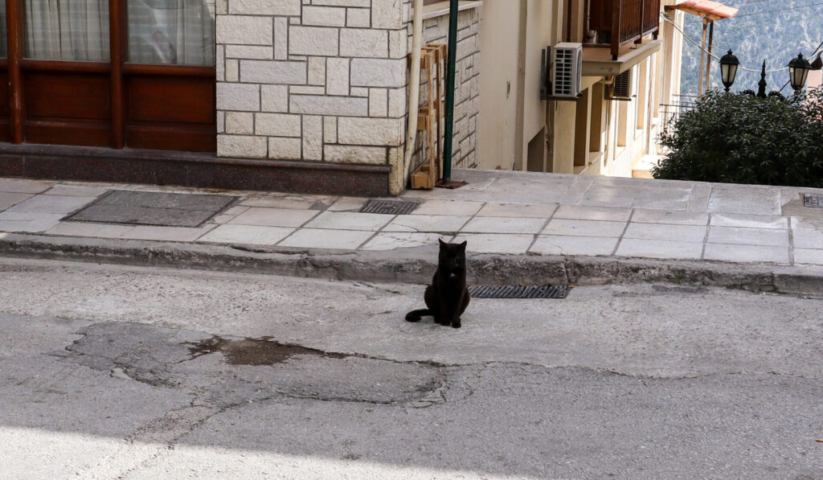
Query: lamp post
[[798, 72], [761, 85], [728, 69]]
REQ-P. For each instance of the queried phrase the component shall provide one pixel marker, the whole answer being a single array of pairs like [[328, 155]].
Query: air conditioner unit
[[622, 88], [567, 74]]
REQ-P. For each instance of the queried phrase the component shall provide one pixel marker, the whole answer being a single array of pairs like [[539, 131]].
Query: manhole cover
[[389, 207], [153, 208], [544, 291], [812, 201]]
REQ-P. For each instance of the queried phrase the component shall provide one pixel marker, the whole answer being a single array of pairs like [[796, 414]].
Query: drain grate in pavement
[[812, 201], [543, 291], [153, 208], [389, 207]]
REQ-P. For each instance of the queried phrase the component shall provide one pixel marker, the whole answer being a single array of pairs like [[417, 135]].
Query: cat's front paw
[[456, 324]]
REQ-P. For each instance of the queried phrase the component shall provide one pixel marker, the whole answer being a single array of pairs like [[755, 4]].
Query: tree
[[738, 138]]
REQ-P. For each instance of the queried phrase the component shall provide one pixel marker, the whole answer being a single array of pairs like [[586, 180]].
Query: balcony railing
[[619, 22]]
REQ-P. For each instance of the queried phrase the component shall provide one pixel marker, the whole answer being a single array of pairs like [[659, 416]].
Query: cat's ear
[[442, 243], [463, 245]]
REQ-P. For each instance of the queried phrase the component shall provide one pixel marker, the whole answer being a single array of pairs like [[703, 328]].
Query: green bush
[[739, 138]]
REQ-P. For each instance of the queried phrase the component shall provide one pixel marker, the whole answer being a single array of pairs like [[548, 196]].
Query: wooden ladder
[[433, 61]]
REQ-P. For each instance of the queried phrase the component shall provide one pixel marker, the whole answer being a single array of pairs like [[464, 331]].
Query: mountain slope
[[771, 30]]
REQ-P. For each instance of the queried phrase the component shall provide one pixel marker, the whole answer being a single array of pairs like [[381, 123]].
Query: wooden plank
[[173, 137], [67, 96], [14, 16], [117, 15], [68, 133], [62, 66], [170, 100], [170, 70], [617, 10]]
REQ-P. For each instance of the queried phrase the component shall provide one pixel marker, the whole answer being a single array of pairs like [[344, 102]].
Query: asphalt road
[[127, 373]]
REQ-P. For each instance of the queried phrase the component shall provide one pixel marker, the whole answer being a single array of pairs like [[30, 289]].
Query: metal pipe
[[414, 85], [702, 61], [447, 144], [709, 60], [520, 118]]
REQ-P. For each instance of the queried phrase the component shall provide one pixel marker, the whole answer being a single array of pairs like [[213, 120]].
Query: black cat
[[447, 297]]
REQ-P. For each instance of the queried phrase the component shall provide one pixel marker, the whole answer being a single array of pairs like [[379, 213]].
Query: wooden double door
[[109, 73]]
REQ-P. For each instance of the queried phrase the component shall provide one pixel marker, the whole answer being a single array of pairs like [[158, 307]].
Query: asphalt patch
[[253, 351], [250, 369]]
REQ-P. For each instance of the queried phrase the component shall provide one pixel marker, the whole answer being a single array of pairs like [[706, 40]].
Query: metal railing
[[670, 112]]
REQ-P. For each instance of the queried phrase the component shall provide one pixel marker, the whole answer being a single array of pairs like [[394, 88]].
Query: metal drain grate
[[812, 201], [389, 207], [544, 291]]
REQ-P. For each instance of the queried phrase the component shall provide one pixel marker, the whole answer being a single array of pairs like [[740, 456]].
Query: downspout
[[414, 85], [450, 81], [520, 127]]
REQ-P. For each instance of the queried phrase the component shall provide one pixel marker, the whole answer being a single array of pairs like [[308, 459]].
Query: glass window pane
[[67, 30], [175, 32]]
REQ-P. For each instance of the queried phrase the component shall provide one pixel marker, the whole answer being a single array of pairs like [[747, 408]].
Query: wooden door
[[88, 72]]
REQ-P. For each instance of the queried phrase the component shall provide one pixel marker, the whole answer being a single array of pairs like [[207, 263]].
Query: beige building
[[613, 123]]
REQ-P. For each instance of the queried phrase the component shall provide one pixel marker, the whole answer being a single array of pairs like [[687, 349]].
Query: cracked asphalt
[[112, 372]]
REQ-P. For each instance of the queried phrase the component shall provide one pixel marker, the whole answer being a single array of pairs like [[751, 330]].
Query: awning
[[704, 8]]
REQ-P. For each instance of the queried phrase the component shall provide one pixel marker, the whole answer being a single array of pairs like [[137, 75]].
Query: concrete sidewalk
[[499, 213]]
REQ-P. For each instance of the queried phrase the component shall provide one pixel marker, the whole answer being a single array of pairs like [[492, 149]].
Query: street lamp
[[728, 69], [798, 72]]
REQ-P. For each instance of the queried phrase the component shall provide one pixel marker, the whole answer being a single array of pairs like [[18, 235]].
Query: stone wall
[[313, 80], [467, 83], [326, 81]]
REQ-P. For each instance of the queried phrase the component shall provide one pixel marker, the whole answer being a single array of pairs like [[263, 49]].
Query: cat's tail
[[416, 315]]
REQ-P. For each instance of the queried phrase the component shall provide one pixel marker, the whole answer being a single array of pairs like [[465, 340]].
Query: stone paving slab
[[13, 185], [660, 249], [80, 229], [506, 213], [585, 228], [668, 217], [424, 223], [605, 214], [28, 222], [246, 234], [273, 217], [563, 245], [8, 199], [750, 221], [51, 204], [327, 239], [672, 233]]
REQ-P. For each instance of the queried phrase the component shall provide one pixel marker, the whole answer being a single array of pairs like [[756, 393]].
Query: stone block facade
[[327, 81], [466, 87]]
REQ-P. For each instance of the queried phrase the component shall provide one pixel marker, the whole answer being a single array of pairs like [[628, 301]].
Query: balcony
[[621, 22]]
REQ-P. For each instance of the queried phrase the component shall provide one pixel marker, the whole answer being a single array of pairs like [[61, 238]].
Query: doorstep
[[189, 169]]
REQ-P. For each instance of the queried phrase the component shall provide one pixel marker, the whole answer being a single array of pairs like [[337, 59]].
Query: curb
[[415, 265]]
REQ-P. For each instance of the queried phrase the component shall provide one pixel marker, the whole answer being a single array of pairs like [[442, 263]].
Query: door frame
[[121, 130]]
